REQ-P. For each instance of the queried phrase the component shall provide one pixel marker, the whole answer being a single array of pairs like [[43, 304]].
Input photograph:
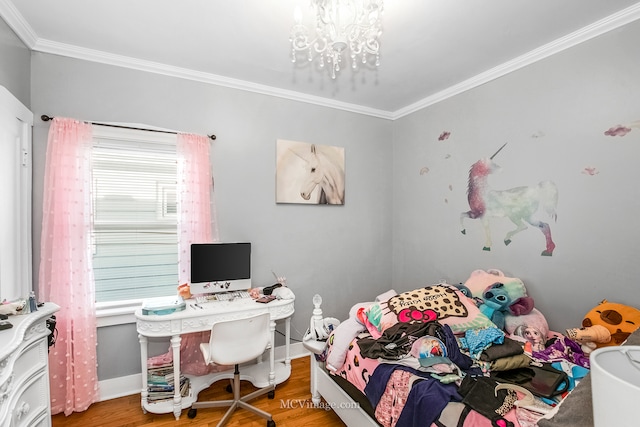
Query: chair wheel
[[271, 395], [192, 413], [229, 388], [271, 423]]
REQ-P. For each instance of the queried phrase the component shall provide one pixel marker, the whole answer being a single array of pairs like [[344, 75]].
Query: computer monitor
[[220, 267]]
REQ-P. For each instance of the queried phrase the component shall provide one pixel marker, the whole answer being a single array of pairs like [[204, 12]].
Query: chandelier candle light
[[341, 25]]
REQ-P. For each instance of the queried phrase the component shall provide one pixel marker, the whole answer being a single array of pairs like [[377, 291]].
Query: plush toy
[[479, 280], [496, 301], [621, 320], [497, 295], [531, 328], [184, 291], [12, 307], [283, 293], [589, 337]]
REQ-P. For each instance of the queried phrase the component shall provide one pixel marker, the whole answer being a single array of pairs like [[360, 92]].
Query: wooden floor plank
[[291, 407]]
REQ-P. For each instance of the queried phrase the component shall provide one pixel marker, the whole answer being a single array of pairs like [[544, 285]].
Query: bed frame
[[323, 387], [575, 410], [336, 398]]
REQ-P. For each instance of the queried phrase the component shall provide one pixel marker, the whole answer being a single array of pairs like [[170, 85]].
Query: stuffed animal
[[283, 293], [589, 337], [531, 328], [496, 301], [497, 295], [621, 320], [184, 291], [12, 307]]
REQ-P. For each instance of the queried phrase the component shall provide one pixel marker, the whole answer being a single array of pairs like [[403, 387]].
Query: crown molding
[[582, 35], [24, 31], [52, 47], [17, 23]]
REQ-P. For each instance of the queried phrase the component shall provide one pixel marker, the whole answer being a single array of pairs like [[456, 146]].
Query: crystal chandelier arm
[[351, 26], [299, 37]]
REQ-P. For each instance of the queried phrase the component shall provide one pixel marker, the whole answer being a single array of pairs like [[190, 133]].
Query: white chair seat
[[234, 342]]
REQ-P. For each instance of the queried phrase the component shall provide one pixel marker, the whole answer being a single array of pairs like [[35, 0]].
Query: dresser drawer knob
[[22, 410], [6, 388]]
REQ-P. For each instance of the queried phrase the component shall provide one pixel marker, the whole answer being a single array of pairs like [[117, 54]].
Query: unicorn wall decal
[[519, 204]]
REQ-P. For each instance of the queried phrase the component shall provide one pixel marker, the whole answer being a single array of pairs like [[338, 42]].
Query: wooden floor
[[291, 407]]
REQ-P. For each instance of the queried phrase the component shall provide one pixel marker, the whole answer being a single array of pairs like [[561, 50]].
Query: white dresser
[[24, 370]]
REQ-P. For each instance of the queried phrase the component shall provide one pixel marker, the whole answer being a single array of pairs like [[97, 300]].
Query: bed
[[348, 389]]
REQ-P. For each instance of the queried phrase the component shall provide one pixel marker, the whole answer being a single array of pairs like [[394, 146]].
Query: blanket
[[576, 410]]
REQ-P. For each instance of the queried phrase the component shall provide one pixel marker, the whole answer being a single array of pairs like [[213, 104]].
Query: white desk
[[194, 319]]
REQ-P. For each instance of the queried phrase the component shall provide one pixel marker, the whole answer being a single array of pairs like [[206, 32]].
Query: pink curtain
[[196, 224], [66, 275]]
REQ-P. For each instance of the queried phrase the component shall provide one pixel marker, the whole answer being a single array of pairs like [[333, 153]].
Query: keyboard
[[222, 296]]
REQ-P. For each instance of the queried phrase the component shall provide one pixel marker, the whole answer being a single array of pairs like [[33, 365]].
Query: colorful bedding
[[434, 403], [356, 368], [409, 354]]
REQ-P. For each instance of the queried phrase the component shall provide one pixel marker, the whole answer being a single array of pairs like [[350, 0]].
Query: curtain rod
[[46, 118]]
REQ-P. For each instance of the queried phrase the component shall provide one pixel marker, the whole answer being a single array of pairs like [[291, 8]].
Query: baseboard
[[120, 386], [296, 350], [131, 384]]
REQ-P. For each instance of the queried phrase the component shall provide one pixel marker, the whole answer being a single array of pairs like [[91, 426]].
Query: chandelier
[[350, 26]]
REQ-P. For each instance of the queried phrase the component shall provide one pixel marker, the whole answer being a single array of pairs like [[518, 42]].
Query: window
[[135, 239]]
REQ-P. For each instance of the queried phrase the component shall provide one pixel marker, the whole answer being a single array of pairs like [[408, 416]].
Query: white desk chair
[[234, 342]]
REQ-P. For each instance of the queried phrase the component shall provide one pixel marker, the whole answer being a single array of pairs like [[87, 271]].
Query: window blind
[[134, 239]]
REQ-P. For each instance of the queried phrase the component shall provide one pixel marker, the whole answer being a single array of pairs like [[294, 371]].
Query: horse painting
[[325, 173], [519, 204], [309, 173]]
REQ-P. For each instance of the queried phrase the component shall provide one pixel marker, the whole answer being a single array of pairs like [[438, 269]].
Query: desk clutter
[[279, 290], [188, 326], [167, 305], [163, 305], [161, 385]]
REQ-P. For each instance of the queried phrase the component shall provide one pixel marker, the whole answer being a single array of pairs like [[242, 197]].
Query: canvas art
[[309, 173]]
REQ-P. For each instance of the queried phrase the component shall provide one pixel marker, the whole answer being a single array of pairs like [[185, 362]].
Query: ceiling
[[430, 49]]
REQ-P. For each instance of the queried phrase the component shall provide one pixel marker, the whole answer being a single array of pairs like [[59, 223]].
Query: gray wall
[[341, 252], [553, 114], [15, 65]]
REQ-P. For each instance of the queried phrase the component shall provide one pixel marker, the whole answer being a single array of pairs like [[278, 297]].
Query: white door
[[15, 195]]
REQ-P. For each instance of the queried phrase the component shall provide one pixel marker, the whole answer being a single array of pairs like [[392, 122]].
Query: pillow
[[480, 281], [341, 337], [340, 340], [532, 328], [514, 324], [440, 302]]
